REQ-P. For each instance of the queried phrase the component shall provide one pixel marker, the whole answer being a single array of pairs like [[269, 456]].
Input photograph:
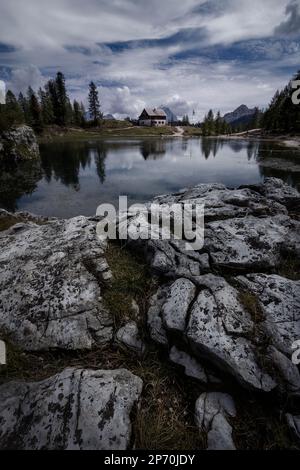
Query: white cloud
[[143, 76], [22, 78], [120, 101]]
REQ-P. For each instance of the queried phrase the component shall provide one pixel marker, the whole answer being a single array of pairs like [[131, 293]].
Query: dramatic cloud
[[291, 26], [189, 55], [22, 78]]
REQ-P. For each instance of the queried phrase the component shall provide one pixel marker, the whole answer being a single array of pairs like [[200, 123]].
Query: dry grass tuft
[[251, 304], [290, 268]]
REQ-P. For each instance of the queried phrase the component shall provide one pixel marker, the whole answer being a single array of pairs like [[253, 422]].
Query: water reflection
[[75, 177], [17, 180], [153, 149]]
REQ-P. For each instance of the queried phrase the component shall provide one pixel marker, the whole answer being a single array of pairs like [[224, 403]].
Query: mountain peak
[[242, 112], [171, 117]]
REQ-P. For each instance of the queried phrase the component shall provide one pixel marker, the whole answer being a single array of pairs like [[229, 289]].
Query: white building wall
[[145, 122], [159, 123]]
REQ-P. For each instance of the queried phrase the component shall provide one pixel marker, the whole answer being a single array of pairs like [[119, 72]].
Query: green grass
[[165, 418], [251, 304], [132, 280], [57, 134], [289, 268], [7, 222], [192, 131]]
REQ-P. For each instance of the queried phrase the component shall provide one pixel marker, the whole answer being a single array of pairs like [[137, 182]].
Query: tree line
[[215, 125], [282, 114], [51, 105]]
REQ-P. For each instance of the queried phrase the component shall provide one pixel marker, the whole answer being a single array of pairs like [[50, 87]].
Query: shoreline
[[257, 135], [67, 134]]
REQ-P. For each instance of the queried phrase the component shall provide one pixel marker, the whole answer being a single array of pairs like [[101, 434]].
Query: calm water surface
[[74, 178]]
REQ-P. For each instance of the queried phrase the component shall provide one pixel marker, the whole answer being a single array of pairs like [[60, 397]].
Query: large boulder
[[251, 242], [245, 228], [50, 277], [279, 300], [250, 230], [216, 327], [19, 143], [74, 410]]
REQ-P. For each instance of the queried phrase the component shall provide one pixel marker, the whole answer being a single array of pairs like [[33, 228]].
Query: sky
[[189, 55]]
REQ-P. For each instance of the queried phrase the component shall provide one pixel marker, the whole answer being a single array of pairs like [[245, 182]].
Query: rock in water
[[74, 410], [19, 143], [213, 411], [50, 295]]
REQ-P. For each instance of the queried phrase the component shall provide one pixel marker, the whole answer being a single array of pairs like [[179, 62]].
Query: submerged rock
[[50, 295], [213, 411], [74, 410], [19, 143]]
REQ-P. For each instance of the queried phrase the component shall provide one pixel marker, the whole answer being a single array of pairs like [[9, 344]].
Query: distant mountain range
[[171, 117], [241, 115], [105, 117]]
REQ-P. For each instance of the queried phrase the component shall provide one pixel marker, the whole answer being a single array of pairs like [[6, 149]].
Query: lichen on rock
[[19, 143]]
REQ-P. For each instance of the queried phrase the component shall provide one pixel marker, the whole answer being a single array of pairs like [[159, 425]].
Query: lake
[[75, 177]]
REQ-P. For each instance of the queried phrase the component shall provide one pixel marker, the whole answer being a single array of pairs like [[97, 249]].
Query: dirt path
[[179, 132]]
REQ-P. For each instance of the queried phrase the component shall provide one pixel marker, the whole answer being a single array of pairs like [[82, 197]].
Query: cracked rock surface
[[130, 337], [50, 295], [75, 410], [249, 232], [213, 411], [225, 313]]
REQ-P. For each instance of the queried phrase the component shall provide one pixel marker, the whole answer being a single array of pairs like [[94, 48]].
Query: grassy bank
[[77, 134]]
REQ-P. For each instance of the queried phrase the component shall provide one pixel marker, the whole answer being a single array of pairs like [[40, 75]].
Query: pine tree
[[218, 124], [83, 114], [70, 113], [61, 100], [35, 113], [51, 91], [77, 114], [94, 104], [23, 103], [46, 106], [12, 112], [210, 123], [282, 114]]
